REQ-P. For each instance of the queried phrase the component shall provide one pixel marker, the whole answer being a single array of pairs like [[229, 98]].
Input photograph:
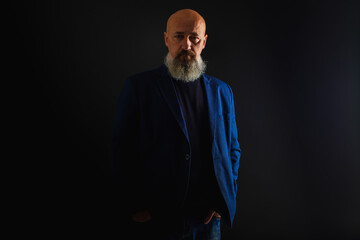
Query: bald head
[[185, 33], [187, 18]]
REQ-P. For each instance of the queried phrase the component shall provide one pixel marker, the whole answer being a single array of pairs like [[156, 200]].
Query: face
[[185, 39]]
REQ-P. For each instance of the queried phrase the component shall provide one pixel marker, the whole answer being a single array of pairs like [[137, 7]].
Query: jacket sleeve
[[128, 172], [235, 150]]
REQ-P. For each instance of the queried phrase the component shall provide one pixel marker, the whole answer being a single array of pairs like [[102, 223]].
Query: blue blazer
[[150, 148]]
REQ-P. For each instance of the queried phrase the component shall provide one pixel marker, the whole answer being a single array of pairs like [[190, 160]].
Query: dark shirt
[[203, 187]]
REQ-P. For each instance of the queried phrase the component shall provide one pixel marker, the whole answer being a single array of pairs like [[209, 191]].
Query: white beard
[[187, 72]]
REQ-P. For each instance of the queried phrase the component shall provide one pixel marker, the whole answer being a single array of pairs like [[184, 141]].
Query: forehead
[[187, 26]]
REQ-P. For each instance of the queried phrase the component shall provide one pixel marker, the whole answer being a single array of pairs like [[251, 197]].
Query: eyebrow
[[192, 33]]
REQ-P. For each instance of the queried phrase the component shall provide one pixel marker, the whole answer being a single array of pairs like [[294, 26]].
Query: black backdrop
[[294, 70]]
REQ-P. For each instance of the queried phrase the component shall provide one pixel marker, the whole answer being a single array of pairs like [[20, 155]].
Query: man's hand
[[210, 216], [141, 217]]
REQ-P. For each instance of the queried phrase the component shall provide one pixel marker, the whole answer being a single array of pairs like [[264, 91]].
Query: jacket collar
[[168, 90]]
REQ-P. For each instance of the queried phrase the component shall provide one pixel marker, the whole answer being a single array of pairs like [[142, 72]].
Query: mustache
[[186, 52]]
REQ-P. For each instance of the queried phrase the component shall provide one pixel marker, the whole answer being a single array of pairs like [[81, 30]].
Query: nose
[[186, 44]]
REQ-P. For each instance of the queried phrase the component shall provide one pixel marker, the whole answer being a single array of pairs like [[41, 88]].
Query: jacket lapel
[[211, 93], [167, 89]]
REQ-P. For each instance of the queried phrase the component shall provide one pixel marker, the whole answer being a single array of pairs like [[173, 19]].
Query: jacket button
[[187, 157]]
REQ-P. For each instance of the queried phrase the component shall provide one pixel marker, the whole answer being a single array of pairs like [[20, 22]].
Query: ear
[[165, 39], [204, 41]]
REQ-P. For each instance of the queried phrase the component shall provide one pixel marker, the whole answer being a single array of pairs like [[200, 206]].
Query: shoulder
[[217, 83], [141, 81], [145, 76], [145, 80]]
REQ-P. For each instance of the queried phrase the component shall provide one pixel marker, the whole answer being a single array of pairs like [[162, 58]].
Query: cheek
[[173, 47], [197, 51], [173, 51]]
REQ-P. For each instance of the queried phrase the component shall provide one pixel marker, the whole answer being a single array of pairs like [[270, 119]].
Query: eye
[[194, 39], [179, 36]]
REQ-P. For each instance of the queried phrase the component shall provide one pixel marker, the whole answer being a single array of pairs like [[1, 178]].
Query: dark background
[[294, 70]]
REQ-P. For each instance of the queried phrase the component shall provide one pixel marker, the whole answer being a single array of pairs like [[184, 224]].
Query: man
[[174, 147]]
